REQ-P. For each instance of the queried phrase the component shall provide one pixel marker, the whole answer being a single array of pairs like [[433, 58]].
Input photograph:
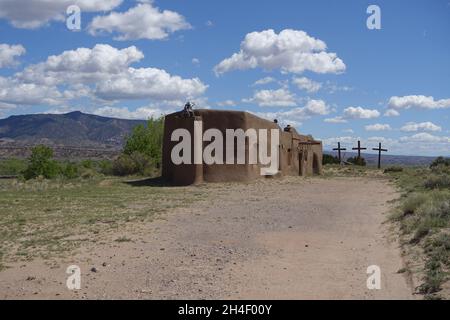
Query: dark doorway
[[316, 165], [300, 163]]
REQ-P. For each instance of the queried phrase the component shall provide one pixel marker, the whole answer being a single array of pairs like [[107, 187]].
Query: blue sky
[[313, 64]]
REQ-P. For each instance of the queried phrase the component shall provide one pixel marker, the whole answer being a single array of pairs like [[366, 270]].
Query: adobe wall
[[289, 152], [299, 154], [183, 174], [223, 120]]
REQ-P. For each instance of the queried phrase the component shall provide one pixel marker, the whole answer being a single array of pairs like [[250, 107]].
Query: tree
[[440, 161], [40, 163], [329, 159], [70, 171], [147, 140], [136, 163], [358, 161]]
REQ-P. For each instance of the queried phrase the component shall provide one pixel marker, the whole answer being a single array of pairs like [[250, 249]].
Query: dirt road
[[290, 238]]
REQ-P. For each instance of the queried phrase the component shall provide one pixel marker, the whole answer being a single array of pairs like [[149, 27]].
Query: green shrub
[[40, 163], [423, 228], [87, 173], [142, 153], [69, 171], [12, 167], [437, 182], [439, 247], [427, 212], [433, 280], [440, 161], [329, 159], [413, 202], [142, 162], [105, 167], [441, 170], [358, 161], [123, 165], [437, 250], [87, 163], [136, 163], [393, 169], [147, 140], [441, 166], [424, 216]]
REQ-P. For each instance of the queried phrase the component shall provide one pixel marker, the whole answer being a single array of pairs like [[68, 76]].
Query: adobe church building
[[299, 155]]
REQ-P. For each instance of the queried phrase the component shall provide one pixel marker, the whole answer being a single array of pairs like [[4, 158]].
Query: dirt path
[[274, 239]]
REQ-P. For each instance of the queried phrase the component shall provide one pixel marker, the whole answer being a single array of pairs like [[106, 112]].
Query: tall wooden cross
[[379, 154], [359, 149], [339, 151]]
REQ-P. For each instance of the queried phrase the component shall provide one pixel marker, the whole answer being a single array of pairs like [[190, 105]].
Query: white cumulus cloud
[[377, 127], [263, 81], [142, 113], [309, 85], [226, 103], [360, 113], [354, 113], [9, 53], [31, 14], [422, 126], [273, 98], [13, 92], [391, 113], [425, 137], [418, 101], [151, 83], [141, 22], [317, 107], [102, 73], [332, 141], [82, 65], [296, 116], [337, 119], [291, 51]]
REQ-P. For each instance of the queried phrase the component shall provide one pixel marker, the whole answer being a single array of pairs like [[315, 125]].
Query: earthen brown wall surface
[[298, 154]]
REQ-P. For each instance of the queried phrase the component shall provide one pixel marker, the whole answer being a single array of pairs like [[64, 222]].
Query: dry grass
[[42, 218], [423, 214], [351, 171]]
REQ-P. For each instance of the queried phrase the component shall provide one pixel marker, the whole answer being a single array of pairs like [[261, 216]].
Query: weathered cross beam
[[339, 151], [379, 154], [359, 148]]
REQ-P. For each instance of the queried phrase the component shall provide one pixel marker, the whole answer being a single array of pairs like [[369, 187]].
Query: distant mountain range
[[75, 129]]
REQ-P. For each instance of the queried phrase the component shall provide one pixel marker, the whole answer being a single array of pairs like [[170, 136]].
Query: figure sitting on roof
[[288, 128], [188, 110]]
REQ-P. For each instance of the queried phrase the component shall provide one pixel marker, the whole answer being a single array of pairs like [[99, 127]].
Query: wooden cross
[[339, 151], [379, 154], [359, 149]]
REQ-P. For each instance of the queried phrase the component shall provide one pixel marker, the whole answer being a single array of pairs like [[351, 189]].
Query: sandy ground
[[289, 238]]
